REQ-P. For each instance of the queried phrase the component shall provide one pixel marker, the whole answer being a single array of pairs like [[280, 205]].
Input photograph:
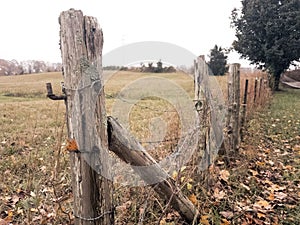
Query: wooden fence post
[[233, 123], [244, 111], [201, 89], [81, 43], [260, 91], [255, 91]]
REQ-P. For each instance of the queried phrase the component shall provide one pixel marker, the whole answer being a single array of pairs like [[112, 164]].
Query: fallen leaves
[[296, 148], [227, 214], [271, 197], [219, 194], [260, 215], [262, 204], [245, 186], [261, 185], [224, 175], [224, 222], [204, 220], [9, 217], [253, 172]]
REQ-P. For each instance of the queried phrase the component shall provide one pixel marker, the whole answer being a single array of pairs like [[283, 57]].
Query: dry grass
[[27, 87], [35, 183], [150, 113], [30, 139]]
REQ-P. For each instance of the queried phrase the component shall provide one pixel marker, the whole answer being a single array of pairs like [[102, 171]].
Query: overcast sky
[[30, 29]]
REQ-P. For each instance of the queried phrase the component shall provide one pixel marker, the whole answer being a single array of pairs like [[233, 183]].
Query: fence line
[[82, 67], [255, 94]]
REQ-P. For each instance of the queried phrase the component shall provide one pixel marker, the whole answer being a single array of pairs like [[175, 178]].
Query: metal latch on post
[[53, 96]]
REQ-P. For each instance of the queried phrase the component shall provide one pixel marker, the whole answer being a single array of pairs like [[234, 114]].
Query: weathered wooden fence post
[[255, 92], [201, 89], [244, 111], [233, 122], [260, 91], [81, 43]]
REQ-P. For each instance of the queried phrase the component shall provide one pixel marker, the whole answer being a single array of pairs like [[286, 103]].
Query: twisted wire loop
[[92, 219]]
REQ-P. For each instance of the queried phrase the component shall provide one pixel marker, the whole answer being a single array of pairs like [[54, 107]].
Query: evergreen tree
[[268, 34], [218, 61]]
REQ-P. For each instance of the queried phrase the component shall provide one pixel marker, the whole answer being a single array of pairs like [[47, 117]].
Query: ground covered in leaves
[[262, 183]]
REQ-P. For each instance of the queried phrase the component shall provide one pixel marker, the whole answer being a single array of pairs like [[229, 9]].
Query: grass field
[[34, 164], [35, 182]]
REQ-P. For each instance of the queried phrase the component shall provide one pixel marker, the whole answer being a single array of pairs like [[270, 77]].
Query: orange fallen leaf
[[204, 220], [72, 145], [288, 167], [260, 215], [261, 163], [225, 222], [262, 204], [9, 217], [271, 197], [193, 199], [163, 222]]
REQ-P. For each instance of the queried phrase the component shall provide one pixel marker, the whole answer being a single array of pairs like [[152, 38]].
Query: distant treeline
[[148, 68], [13, 67]]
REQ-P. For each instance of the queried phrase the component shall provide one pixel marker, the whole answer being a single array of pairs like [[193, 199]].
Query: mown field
[[260, 186]]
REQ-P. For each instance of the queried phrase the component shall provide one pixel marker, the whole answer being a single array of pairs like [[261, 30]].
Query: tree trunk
[[81, 43], [276, 82]]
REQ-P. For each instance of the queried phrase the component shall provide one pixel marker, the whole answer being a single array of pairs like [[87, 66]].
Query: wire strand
[[95, 218]]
